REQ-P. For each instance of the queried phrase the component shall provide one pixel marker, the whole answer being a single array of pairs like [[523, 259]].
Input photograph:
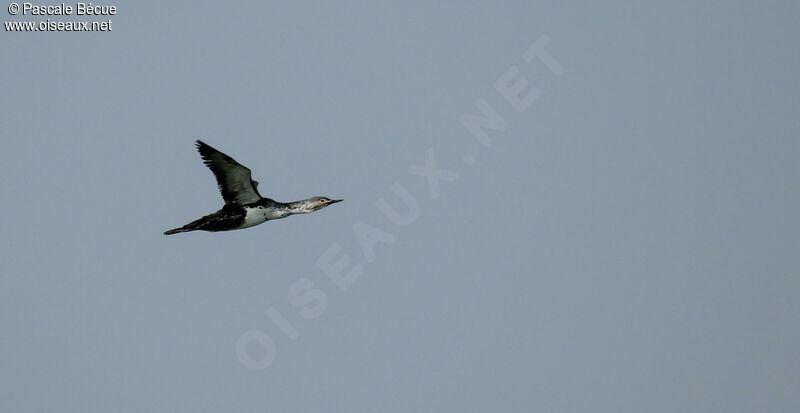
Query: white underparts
[[259, 215]]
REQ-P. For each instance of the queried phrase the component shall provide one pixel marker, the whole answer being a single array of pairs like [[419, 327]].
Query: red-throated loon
[[244, 206]]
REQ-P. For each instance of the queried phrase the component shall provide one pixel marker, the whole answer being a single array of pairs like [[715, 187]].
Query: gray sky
[[627, 244]]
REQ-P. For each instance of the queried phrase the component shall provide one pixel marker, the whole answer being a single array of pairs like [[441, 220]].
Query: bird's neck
[[303, 206]]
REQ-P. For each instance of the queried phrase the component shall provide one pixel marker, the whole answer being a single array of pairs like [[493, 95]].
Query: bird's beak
[[333, 201]]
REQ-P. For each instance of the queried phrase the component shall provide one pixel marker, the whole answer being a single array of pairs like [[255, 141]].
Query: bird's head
[[318, 202]]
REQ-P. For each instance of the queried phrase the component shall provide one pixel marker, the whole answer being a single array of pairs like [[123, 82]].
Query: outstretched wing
[[235, 183]]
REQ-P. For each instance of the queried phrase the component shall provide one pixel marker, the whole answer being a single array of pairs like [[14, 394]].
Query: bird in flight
[[244, 206]]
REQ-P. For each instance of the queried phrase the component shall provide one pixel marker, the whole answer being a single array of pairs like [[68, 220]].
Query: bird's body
[[259, 214], [244, 206]]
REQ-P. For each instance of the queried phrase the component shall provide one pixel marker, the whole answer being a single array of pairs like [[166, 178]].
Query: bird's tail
[[192, 226], [179, 230]]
